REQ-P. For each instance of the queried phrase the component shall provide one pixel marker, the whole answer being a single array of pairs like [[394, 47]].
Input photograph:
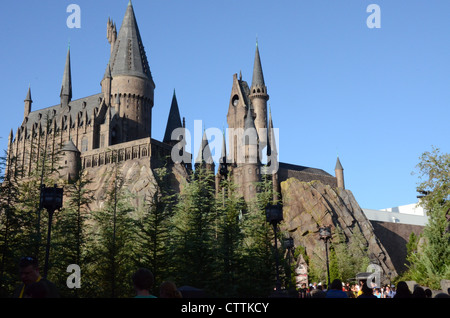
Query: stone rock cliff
[[309, 205]]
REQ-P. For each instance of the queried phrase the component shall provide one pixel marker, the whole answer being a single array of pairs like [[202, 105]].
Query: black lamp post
[[51, 200], [289, 244], [274, 215], [325, 234]]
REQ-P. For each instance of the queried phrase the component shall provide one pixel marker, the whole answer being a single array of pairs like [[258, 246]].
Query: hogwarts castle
[[115, 125]]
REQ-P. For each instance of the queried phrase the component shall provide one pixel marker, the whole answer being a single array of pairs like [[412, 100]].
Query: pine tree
[[71, 231], [112, 253], [10, 228], [229, 238], [153, 228], [258, 276], [193, 232]]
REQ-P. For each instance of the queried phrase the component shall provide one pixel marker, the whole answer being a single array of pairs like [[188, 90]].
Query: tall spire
[[28, 101], [128, 56], [258, 77], [66, 88], [174, 120], [339, 173], [204, 154], [223, 155]]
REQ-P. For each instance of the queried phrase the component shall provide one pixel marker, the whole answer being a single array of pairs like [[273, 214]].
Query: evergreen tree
[[153, 228], [229, 238], [10, 228], [71, 231], [112, 253], [258, 276], [193, 233]]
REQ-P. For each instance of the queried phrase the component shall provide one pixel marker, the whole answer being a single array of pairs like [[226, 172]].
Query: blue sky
[[377, 97]]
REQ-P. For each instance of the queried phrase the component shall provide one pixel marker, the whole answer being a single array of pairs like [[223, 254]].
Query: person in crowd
[[169, 290], [143, 283], [303, 292], [402, 290], [335, 290], [318, 292], [419, 292], [367, 292], [30, 275]]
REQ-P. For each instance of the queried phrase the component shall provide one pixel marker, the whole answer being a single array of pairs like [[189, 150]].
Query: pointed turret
[[204, 157], [174, 120], [128, 57], [258, 76], [106, 85], [130, 74], [28, 101], [251, 136], [272, 158], [66, 88], [223, 155], [339, 172], [259, 98]]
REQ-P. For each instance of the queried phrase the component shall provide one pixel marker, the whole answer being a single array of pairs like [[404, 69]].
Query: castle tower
[[131, 76], [28, 101], [272, 159], [222, 172], [339, 172], [173, 122], [204, 157], [250, 168], [259, 98], [72, 161], [106, 86], [66, 88], [111, 33]]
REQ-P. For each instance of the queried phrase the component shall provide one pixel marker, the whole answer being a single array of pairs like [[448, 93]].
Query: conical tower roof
[[66, 88], [338, 165], [174, 120], [128, 56], [28, 98], [258, 77], [204, 154]]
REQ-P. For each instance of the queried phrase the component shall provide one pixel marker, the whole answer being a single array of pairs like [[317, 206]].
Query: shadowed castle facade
[[115, 125]]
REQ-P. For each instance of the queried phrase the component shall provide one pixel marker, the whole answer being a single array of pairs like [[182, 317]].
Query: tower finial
[[66, 88]]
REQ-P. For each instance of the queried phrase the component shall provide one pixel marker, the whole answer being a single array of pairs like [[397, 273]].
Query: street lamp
[[274, 215], [51, 200], [289, 244], [325, 234]]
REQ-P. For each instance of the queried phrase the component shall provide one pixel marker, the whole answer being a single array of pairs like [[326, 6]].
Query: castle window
[[84, 144], [144, 152]]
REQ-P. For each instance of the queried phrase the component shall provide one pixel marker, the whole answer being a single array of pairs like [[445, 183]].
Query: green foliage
[[112, 252], [193, 233], [153, 228], [429, 256]]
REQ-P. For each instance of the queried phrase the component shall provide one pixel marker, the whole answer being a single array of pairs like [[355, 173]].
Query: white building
[[406, 214]]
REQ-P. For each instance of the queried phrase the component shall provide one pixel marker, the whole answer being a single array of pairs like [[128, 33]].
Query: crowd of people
[[35, 286], [338, 289]]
